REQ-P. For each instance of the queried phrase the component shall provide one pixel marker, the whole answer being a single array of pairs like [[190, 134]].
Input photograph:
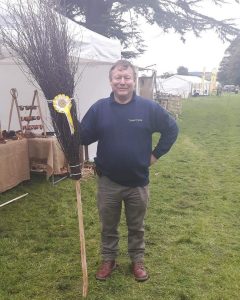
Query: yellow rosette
[[63, 104]]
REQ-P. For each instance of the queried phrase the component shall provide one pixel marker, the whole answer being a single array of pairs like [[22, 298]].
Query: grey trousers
[[110, 197]]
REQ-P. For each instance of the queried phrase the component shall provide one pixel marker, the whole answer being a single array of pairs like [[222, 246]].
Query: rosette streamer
[[66, 128], [62, 104]]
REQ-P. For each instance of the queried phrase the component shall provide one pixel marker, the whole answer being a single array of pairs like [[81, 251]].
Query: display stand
[[14, 94], [58, 180], [44, 155], [24, 120]]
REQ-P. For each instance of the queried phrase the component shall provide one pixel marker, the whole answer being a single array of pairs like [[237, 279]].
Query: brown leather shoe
[[105, 270], [139, 271]]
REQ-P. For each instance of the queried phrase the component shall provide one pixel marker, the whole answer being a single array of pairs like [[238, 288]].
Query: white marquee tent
[[183, 85], [97, 53]]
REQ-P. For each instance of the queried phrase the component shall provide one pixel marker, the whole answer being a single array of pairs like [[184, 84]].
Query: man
[[123, 125]]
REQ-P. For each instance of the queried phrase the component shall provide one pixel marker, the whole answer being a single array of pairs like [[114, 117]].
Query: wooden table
[[47, 152], [18, 157], [14, 164]]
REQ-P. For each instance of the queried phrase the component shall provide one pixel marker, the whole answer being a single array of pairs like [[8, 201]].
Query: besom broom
[[40, 38]]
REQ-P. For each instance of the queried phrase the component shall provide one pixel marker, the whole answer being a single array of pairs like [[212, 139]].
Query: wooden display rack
[[29, 117], [38, 166]]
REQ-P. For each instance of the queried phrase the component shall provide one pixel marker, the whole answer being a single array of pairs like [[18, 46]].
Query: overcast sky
[[167, 52]]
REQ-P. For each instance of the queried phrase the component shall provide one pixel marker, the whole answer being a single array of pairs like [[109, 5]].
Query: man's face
[[122, 82]]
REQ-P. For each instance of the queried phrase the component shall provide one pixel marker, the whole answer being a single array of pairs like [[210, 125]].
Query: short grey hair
[[125, 64]]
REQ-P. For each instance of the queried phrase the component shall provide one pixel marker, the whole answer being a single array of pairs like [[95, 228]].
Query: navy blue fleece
[[124, 135]]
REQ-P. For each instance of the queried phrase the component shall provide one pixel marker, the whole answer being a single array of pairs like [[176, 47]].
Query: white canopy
[[93, 45], [183, 85]]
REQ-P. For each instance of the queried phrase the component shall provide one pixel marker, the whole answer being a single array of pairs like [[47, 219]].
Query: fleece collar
[[112, 100]]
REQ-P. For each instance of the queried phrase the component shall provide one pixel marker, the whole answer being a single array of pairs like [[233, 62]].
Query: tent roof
[[191, 79], [93, 46]]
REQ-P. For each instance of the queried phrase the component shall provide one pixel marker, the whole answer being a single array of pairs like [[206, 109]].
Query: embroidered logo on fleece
[[135, 120]]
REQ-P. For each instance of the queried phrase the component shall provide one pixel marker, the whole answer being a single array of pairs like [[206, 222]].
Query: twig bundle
[[40, 38]]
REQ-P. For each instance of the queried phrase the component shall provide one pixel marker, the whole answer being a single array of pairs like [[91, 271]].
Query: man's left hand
[[153, 159]]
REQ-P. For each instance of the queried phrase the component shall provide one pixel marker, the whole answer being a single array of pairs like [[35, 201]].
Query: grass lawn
[[192, 225]]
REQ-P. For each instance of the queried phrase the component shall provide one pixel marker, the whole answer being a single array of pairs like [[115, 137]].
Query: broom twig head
[[39, 37]]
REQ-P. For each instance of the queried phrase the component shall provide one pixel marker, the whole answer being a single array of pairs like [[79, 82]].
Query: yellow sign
[[213, 81]]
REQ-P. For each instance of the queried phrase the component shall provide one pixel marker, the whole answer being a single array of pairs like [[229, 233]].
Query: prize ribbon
[[63, 104]]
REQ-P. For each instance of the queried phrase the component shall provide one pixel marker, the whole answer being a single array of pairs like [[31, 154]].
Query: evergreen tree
[[182, 70], [229, 72], [121, 19]]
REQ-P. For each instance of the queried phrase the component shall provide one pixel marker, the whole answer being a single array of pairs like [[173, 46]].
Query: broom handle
[[82, 239]]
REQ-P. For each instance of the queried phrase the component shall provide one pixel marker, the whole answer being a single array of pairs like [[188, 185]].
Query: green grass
[[192, 225]]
